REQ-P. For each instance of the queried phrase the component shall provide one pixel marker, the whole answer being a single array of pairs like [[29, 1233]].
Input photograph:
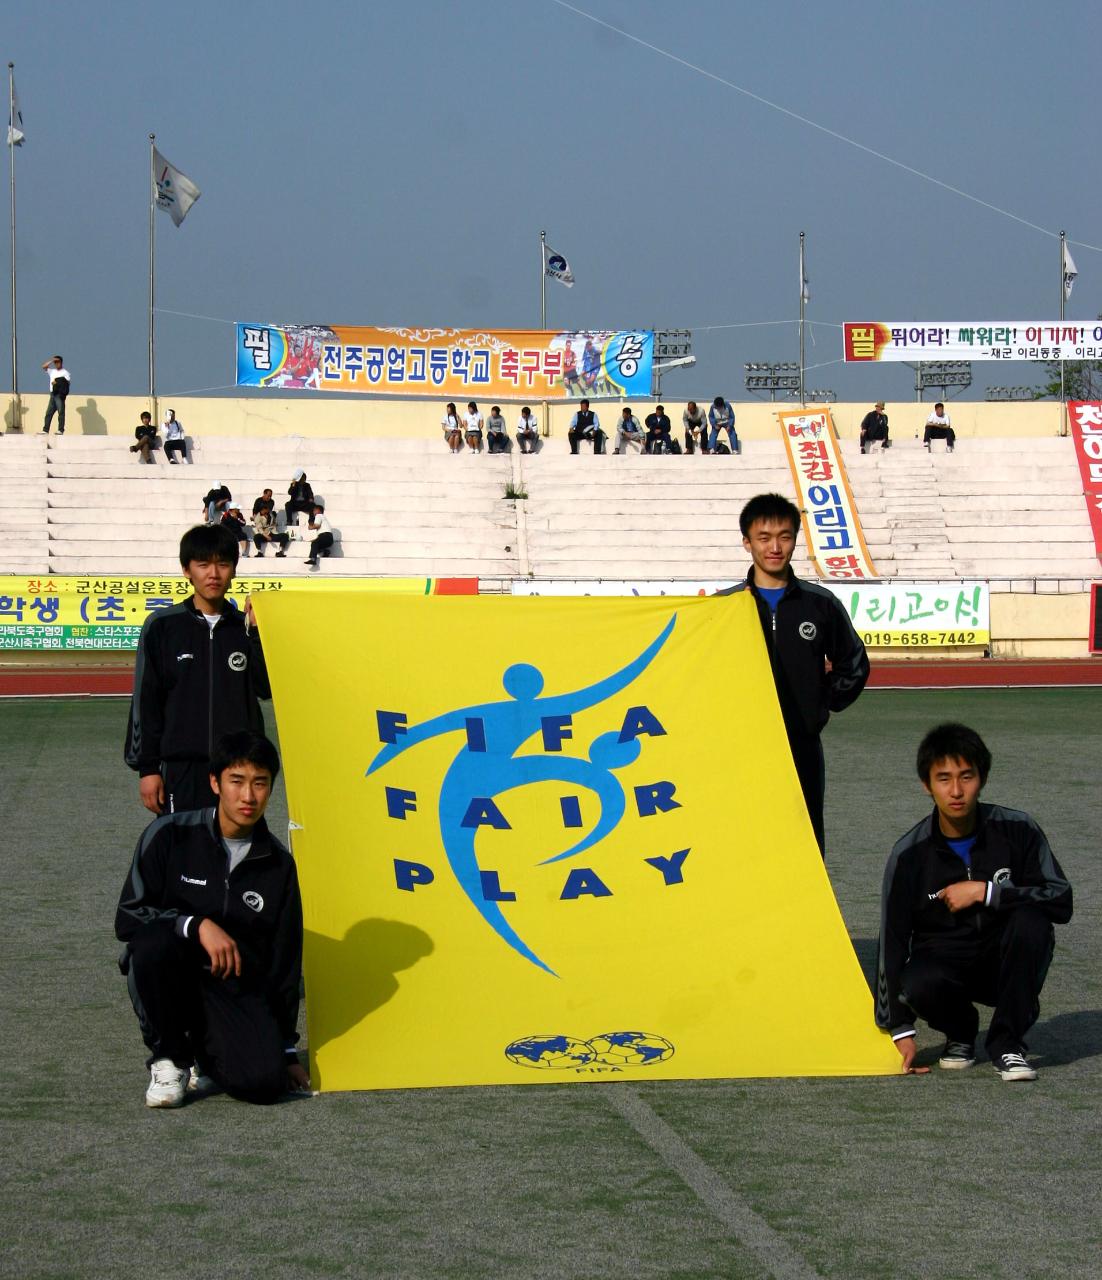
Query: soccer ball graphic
[[630, 1048], [555, 1053]]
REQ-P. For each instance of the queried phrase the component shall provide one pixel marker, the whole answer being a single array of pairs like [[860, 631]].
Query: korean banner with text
[[1085, 417], [973, 340], [835, 541], [454, 364], [887, 614], [516, 872], [106, 611]]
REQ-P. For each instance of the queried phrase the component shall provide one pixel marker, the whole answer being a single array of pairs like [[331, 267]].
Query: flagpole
[[803, 303], [17, 408], [543, 279], [1063, 293], [152, 210]]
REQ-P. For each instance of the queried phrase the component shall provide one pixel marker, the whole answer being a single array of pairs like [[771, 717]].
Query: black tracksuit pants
[[1004, 967], [807, 756], [225, 1026]]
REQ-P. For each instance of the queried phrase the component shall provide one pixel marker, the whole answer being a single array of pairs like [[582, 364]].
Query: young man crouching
[[212, 919], [970, 897]]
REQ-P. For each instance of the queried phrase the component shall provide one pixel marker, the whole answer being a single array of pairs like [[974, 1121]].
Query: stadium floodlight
[[673, 349], [820, 395], [782, 376], [1011, 393], [942, 374]]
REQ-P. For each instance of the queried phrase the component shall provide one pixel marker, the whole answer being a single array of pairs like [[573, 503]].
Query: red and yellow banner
[[831, 523], [461, 364]]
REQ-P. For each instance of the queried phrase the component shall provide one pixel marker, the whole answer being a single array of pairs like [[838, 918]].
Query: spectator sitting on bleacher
[[721, 417], [938, 427], [497, 434], [658, 427], [696, 429], [145, 433], [874, 426], [453, 428], [174, 436], [265, 531], [628, 431], [473, 427], [301, 498], [585, 425], [235, 522], [322, 542], [216, 502], [527, 431], [264, 503]]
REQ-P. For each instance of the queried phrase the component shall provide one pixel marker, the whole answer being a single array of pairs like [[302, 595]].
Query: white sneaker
[[167, 1084]]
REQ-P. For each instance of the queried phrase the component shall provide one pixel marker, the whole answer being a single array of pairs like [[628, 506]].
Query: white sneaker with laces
[[167, 1084]]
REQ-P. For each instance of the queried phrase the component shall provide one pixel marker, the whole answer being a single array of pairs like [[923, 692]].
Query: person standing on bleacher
[[59, 389]]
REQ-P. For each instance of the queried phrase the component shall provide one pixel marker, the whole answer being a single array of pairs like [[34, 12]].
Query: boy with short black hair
[[198, 674], [212, 919], [969, 900], [818, 660]]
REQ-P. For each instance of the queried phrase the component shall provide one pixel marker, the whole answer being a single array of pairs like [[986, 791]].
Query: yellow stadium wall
[[275, 414]]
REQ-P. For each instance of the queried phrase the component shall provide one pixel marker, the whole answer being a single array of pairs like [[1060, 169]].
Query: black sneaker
[[1012, 1066], [957, 1055]]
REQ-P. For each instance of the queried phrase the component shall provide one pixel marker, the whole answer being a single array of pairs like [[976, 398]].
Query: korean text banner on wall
[[973, 340], [1085, 417], [454, 364], [516, 872], [832, 526], [886, 614], [107, 611]]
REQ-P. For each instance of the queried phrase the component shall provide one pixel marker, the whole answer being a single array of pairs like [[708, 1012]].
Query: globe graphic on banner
[[631, 1048], [554, 1052], [612, 1049]]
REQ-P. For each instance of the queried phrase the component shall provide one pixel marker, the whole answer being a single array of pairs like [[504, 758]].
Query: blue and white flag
[[174, 191], [556, 266], [1070, 272], [15, 120]]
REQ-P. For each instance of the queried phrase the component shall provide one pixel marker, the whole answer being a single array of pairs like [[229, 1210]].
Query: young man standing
[[970, 897], [55, 370], [805, 628], [212, 919], [198, 674]]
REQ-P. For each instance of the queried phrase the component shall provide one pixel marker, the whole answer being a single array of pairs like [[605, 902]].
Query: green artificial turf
[[953, 1174]]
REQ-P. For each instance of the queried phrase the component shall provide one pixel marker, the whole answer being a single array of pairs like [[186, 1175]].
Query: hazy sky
[[394, 163]]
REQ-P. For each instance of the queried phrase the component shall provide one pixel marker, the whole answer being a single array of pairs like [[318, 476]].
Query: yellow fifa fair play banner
[[536, 845]]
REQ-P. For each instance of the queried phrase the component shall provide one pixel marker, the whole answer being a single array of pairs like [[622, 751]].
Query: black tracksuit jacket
[[809, 624], [179, 876], [192, 685], [1011, 855]]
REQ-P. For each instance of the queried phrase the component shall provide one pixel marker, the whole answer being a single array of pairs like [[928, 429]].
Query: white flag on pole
[[556, 266], [1069, 272], [15, 120], [174, 191]]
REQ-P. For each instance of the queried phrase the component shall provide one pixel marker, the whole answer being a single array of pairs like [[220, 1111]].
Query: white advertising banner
[[835, 541], [886, 615], [972, 340]]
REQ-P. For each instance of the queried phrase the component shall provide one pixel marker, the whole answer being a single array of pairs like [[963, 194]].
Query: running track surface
[[115, 682]]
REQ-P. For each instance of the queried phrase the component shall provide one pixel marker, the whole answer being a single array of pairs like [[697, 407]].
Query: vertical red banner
[[1085, 417]]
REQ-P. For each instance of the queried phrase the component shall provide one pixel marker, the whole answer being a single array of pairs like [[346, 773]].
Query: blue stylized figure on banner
[[485, 770]]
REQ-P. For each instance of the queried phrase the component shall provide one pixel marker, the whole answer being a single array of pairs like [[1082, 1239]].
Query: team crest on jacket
[[808, 630], [238, 661], [253, 899]]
